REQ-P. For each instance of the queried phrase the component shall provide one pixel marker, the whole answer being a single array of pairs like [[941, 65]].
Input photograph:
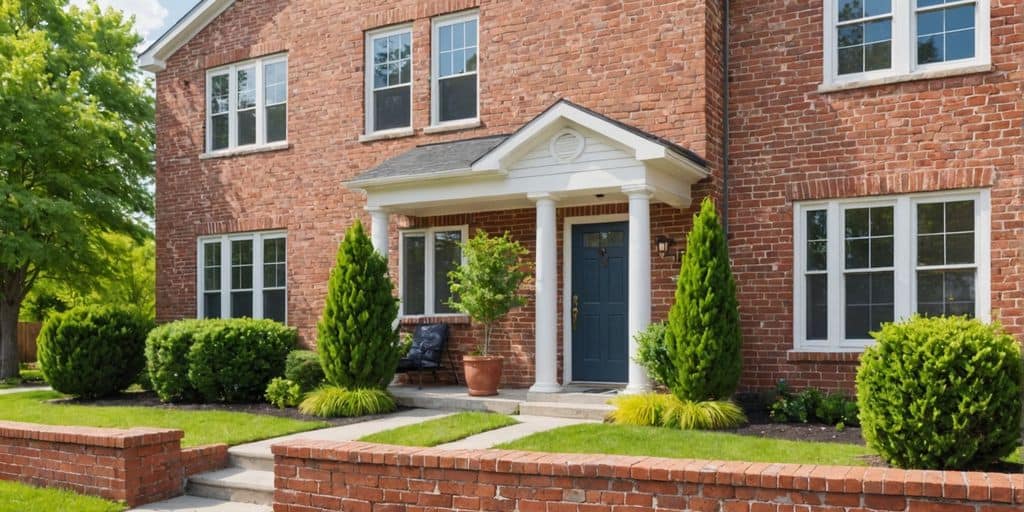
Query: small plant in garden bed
[[666, 410], [442, 430], [283, 393], [334, 401], [813, 406], [303, 368]]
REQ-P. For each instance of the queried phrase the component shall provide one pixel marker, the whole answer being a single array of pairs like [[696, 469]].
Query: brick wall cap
[[995, 487], [89, 436]]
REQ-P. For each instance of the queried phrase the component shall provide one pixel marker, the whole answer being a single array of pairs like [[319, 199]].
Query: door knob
[[575, 310]]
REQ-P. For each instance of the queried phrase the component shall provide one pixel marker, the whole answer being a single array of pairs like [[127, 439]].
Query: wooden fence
[[27, 334]]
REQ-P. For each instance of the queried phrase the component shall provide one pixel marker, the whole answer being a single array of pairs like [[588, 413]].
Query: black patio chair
[[429, 342]]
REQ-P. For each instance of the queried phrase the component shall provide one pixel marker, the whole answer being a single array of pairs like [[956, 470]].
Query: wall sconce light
[[664, 245]]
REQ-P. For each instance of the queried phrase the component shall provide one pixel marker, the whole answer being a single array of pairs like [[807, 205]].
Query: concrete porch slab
[[579, 401]]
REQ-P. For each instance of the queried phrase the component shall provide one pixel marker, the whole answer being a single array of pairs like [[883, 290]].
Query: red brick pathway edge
[[134, 466], [319, 476]]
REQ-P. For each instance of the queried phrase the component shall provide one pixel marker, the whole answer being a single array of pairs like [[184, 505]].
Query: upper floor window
[[425, 258], [864, 262], [389, 79], [247, 104], [243, 275], [455, 77], [889, 39]]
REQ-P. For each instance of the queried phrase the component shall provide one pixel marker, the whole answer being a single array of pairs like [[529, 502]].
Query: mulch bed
[[802, 432]]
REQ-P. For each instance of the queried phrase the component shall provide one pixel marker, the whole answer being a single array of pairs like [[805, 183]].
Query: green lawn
[[16, 497], [686, 444], [201, 427], [442, 430]]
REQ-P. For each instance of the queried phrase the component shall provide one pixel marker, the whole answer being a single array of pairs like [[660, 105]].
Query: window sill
[[454, 126], [434, 319], [245, 150], [907, 77], [396, 133], [800, 356]]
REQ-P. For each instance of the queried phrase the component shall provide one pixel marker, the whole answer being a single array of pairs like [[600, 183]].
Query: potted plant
[[486, 287]]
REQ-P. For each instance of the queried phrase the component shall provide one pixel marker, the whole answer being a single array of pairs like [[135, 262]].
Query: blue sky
[[152, 17]]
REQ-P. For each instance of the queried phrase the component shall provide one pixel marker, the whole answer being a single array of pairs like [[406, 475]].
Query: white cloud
[[149, 14]]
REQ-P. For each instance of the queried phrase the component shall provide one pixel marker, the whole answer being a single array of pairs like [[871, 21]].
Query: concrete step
[[259, 461], [595, 412], [601, 398], [194, 504], [426, 398], [239, 485]]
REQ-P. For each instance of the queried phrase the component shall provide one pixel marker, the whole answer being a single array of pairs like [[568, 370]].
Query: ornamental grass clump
[[941, 393], [666, 410], [334, 402]]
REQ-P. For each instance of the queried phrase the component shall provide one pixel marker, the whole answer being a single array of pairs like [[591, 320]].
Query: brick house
[[874, 165]]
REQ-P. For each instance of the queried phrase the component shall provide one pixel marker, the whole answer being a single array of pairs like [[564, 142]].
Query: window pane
[[869, 303], [878, 56], [247, 127], [241, 304], [413, 277], [246, 88], [220, 94], [274, 263], [274, 305], [851, 60], [850, 10], [946, 233], [877, 7], [876, 31], [241, 265], [881, 221], [949, 292], [881, 252], [277, 123], [471, 33], [851, 35], [817, 225], [211, 254], [960, 249], [929, 250], [380, 50], [945, 34], [929, 218], [858, 253], [817, 307], [444, 34], [817, 255], [211, 305], [457, 98], [857, 222], [220, 138], [960, 216], [447, 257], [391, 108], [211, 278], [960, 45], [930, 49], [929, 22], [958, 18]]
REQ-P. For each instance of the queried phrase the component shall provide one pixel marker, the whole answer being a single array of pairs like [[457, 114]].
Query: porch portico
[[567, 156]]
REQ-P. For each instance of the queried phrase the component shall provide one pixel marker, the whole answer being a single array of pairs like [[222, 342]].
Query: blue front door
[[600, 274]]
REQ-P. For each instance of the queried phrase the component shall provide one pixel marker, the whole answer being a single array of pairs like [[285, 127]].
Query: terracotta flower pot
[[483, 373]]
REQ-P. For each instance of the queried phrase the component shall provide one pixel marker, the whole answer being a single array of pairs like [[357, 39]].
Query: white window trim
[[368, 130], [225, 274], [904, 48], [429, 289], [261, 107], [435, 100], [904, 262]]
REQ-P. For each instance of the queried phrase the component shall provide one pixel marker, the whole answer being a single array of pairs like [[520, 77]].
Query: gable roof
[[154, 58]]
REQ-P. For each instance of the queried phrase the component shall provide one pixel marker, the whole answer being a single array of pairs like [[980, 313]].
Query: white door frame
[[567, 225]]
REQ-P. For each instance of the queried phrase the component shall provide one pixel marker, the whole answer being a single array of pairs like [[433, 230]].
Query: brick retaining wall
[[319, 476], [136, 466], [204, 458]]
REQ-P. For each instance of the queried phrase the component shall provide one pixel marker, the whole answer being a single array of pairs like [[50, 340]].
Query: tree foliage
[[703, 333], [486, 287], [358, 344], [76, 132]]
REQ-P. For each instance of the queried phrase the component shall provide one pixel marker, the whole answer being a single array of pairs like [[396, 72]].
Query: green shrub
[[335, 402], [811, 405], [303, 368], [703, 331], [92, 352], [836, 409], [358, 344], [234, 360], [167, 349], [653, 355], [666, 410], [282, 393], [941, 393]]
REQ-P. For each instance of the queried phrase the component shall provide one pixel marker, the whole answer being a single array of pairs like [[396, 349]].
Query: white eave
[[154, 58]]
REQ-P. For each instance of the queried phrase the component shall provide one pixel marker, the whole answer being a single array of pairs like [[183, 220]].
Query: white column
[[379, 232], [639, 279], [546, 318]]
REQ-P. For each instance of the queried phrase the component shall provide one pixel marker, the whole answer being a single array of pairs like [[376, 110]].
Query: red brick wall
[[640, 62], [201, 459], [316, 476], [136, 466], [789, 143]]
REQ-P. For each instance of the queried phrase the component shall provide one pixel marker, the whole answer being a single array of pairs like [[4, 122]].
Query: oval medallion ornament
[[567, 145]]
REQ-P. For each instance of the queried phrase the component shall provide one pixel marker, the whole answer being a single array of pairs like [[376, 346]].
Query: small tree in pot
[[486, 287]]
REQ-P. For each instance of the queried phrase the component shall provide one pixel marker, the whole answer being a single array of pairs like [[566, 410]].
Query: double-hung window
[[247, 104], [389, 79], [890, 39], [455, 77], [426, 256], [864, 262], [243, 275]]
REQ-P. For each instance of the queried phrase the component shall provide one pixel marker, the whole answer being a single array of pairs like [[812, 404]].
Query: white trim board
[[154, 58]]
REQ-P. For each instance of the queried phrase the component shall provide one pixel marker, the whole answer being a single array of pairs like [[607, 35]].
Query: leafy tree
[[486, 287], [358, 343], [76, 132], [703, 333]]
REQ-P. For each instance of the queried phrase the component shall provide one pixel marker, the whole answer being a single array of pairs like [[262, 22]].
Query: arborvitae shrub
[[93, 351], [941, 393], [703, 332]]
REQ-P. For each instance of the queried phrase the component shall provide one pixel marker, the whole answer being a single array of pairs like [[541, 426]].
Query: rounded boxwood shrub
[[92, 351], [167, 349], [303, 368], [234, 360], [941, 393]]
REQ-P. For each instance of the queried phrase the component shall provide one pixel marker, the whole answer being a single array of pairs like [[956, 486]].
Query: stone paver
[[194, 504], [528, 425]]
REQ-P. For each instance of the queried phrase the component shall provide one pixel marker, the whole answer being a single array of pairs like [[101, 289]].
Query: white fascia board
[[154, 58], [412, 178]]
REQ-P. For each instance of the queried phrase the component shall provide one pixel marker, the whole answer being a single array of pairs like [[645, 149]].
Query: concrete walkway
[[194, 504], [528, 425], [24, 389]]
